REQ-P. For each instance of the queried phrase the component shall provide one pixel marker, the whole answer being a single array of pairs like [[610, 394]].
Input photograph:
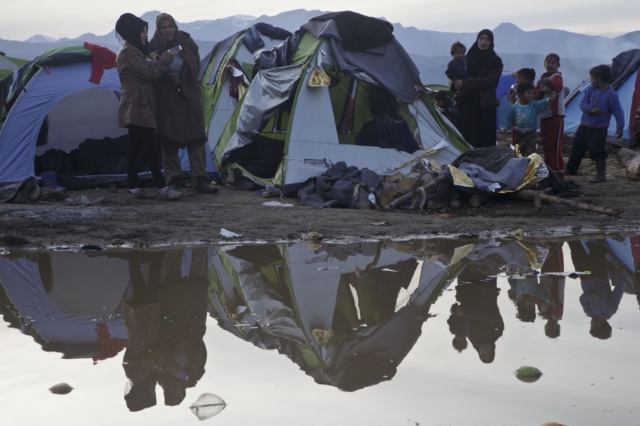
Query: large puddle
[[427, 332]]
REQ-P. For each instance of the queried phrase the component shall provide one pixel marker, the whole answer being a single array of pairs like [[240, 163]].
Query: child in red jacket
[[552, 118]]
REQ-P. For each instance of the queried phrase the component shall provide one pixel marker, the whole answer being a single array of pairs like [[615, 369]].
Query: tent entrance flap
[[269, 92]]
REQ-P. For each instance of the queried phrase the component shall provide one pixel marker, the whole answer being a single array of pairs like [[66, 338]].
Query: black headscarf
[[477, 59], [128, 28]]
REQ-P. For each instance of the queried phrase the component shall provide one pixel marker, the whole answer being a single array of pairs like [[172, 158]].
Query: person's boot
[[601, 172], [204, 187]]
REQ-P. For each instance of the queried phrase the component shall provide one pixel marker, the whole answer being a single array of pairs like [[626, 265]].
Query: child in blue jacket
[[599, 102], [523, 118]]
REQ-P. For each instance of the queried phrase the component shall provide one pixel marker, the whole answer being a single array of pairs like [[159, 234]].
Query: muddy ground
[[119, 221]]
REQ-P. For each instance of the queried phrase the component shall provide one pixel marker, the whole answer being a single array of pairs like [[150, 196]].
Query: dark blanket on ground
[[491, 159], [334, 188]]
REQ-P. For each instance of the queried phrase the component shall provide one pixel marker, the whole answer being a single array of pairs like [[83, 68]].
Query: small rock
[[60, 389]]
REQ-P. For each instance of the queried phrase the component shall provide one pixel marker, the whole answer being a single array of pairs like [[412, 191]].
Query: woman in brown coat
[[137, 106], [476, 97], [180, 118]]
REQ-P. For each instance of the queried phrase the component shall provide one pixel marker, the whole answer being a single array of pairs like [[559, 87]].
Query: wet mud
[[119, 221]]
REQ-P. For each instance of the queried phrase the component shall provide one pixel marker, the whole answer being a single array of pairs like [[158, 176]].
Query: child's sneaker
[[169, 194], [141, 195]]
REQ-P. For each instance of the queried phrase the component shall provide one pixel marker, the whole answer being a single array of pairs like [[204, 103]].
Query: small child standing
[[552, 118], [599, 102], [523, 118], [524, 75], [446, 106], [457, 67]]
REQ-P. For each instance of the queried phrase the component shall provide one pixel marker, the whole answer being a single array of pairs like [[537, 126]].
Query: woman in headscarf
[[180, 116], [137, 106], [476, 96]]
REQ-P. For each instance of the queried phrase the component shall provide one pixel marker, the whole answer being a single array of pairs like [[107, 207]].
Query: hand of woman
[[168, 56], [457, 84]]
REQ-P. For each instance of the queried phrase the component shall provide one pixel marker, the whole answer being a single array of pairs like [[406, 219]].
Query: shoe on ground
[[170, 195], [601, 172], [142, 195], [204, 187]]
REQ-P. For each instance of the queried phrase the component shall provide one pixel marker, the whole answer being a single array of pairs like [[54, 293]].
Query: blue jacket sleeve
[[585, 103], [616, 109], [541, 105]]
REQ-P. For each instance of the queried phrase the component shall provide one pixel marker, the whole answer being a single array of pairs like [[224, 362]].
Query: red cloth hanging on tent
[[103, 59]]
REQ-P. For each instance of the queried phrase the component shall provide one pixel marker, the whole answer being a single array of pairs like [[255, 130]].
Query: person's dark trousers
[[143, 138], [587, 139]]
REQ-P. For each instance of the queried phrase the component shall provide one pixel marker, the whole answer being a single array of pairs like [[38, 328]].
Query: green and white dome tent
[[296, 120]]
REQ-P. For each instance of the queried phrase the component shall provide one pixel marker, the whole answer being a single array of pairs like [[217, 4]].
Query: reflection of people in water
[[636, 283], [476, 316], [598, 301], [553, 308], [547, 293], [526, 294], [165, 320], [386, 130]]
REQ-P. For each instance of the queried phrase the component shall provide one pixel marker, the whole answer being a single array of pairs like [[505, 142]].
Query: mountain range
[[429, 49]]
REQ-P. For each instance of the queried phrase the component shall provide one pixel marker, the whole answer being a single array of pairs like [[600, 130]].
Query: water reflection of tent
[[625, 254], [490, 255], [346, 314], [68, 302]]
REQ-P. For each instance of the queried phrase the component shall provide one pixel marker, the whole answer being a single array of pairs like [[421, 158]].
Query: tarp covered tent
[[297, 120], [626, 82], [228, 69], [51, 298], [346, 314], [53, 105]]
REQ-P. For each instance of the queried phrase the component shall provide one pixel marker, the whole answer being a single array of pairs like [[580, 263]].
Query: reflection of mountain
[[69, 302], [346, 314]]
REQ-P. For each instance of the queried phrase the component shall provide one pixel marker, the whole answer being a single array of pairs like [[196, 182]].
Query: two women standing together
[[161, 104]]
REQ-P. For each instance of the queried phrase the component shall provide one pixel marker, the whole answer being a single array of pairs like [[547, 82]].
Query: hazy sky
[[70, 18]]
